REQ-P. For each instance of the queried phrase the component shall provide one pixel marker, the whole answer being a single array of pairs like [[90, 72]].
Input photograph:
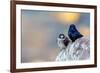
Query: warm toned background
[[40, 30]]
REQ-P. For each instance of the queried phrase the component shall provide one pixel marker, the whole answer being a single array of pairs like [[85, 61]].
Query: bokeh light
[[68, 17]]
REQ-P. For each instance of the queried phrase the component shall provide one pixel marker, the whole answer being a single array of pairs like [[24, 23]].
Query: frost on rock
[[78, 50]]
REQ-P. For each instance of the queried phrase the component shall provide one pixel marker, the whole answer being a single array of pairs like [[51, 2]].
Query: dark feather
[[66, 41], [73, 33]]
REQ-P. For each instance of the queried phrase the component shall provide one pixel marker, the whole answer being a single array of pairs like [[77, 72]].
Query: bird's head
[[61, 36], [72, 28], [63, 41]]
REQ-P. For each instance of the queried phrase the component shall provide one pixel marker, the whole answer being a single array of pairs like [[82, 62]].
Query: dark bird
[[73, 33], [63, 41]]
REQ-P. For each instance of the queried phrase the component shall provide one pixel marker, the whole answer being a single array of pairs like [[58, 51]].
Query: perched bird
[[73, 33], [62, 41], [78, 49]]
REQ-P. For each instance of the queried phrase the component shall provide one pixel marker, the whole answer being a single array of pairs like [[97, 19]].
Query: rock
[[78, 50]]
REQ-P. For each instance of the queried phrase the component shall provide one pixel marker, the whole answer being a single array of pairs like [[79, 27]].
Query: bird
[[62, 41], [73, 33], [78, 49]]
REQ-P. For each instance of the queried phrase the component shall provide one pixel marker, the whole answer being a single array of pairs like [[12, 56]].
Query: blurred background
[[40, 30]]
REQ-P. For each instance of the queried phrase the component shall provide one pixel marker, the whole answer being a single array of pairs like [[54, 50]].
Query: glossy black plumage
[[73, 33], [66, 41]]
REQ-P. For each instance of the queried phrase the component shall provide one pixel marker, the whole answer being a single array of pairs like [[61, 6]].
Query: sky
[[40, 30]]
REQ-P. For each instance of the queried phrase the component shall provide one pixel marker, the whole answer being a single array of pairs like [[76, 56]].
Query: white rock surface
[[78, 50]]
